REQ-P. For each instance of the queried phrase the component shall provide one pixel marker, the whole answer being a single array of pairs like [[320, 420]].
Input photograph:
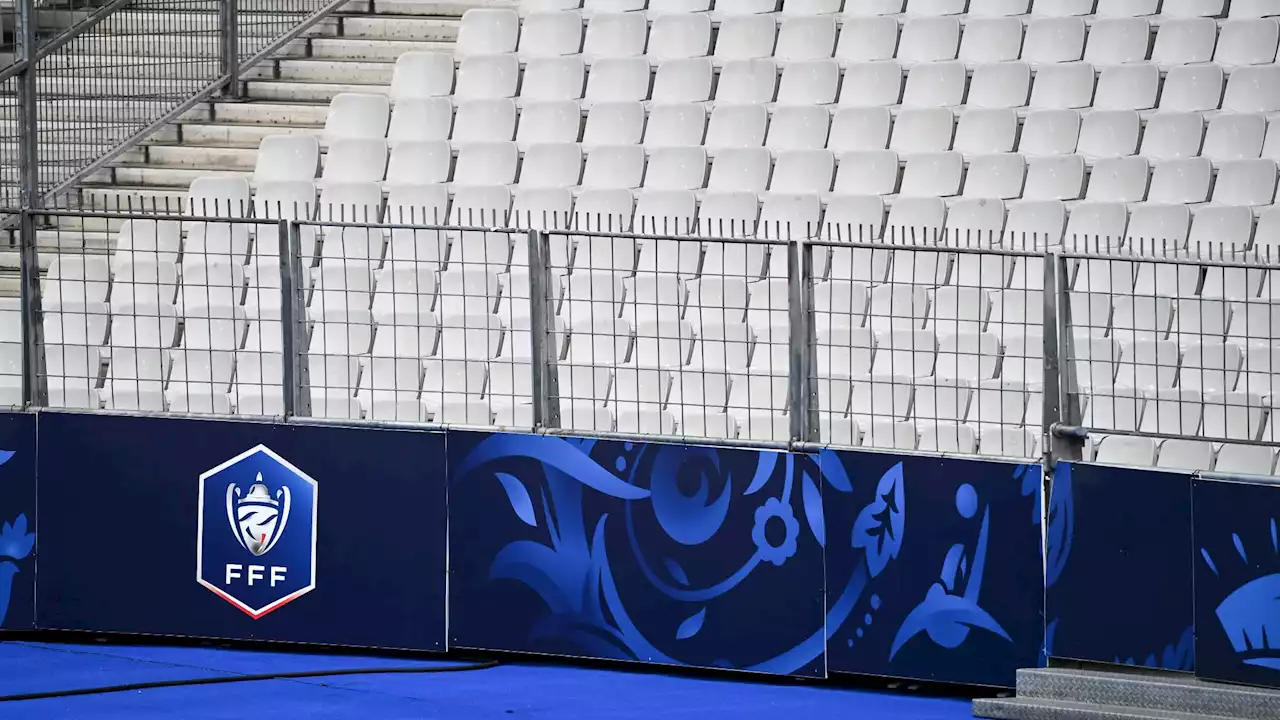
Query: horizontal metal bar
[[670, 439], [934, 247], [1119, 256], [1091, 431]]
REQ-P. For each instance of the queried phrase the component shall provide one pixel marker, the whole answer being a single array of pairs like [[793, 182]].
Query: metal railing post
[[292, 321], [34, 391], [229, 46], [545, 385], [1061, 419], [804, 422]]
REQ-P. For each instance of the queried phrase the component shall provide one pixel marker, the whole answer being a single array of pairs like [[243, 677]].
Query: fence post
[[804, 423], [292, 321], [1061, 421], [545, 385], [229, 46], [34, 389]]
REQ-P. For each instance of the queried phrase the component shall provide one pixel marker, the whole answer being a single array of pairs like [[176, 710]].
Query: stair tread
[[286, 81], [231, 123], [172, 145], [1086, 710], [335, 60], [1167, 678]]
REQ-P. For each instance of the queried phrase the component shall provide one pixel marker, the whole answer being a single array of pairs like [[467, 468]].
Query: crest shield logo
[[256, 539]]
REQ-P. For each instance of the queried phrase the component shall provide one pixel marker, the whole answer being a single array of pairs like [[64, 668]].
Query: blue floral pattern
[[773, 509], [16, 543], [665, 503], [666, 553], [879, 528], [909, 622]]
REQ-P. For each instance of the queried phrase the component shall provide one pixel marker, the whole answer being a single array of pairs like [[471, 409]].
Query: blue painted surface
[[119, 529], [1119, 570], [509, 691], [933, 567], [17, 521], [1237, 581], [658, 553]]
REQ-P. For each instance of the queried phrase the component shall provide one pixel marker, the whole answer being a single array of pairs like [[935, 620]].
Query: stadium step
[[314, 70], [196, 156], [398, 27], [1068, 694], [175, 177], [370, 48], [301, 91], [249, 134], [267, 113]]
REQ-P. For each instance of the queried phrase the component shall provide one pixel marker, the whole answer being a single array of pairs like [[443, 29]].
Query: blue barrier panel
[[1119, 586], [17, 521], [242, 530], [934, 567], [648, 552], [1237, 580]]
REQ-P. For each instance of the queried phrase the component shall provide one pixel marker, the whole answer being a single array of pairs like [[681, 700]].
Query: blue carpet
[[509, 691]]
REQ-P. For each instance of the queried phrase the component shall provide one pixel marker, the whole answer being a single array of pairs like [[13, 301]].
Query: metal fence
[[1170, 354], [90, 78], [961, 342]]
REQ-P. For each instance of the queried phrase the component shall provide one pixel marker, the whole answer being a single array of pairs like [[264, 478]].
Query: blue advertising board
[[1237, 580], [243, 530], [17, 521], [934, 567], [661, 553], [1119, 570]]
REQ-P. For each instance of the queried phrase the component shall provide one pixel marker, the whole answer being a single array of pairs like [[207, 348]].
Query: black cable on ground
[[462, 667]]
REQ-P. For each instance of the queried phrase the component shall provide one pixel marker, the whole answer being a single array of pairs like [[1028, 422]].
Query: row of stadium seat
[[927, 8], [1044, 40]]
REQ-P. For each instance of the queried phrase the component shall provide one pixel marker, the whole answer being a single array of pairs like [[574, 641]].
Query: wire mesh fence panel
[[668, 333], [1170, 352], [413, 321], [158, 317], [10, 145], [928, 340]]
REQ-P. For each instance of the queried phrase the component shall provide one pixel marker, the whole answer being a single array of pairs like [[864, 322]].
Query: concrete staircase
[[1072, 694], [353, 51]]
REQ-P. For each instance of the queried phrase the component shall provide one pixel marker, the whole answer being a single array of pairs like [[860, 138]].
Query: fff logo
[[256, 534]]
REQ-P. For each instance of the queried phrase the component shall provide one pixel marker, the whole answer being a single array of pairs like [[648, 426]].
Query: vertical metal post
[[34, 391], [545, 385], [292, 320], [229, 49], [1060, 407], [804, 406]]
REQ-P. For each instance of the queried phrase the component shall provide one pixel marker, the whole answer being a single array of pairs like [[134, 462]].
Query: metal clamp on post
[[804, 406], [545, 384], [1061, 409]]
